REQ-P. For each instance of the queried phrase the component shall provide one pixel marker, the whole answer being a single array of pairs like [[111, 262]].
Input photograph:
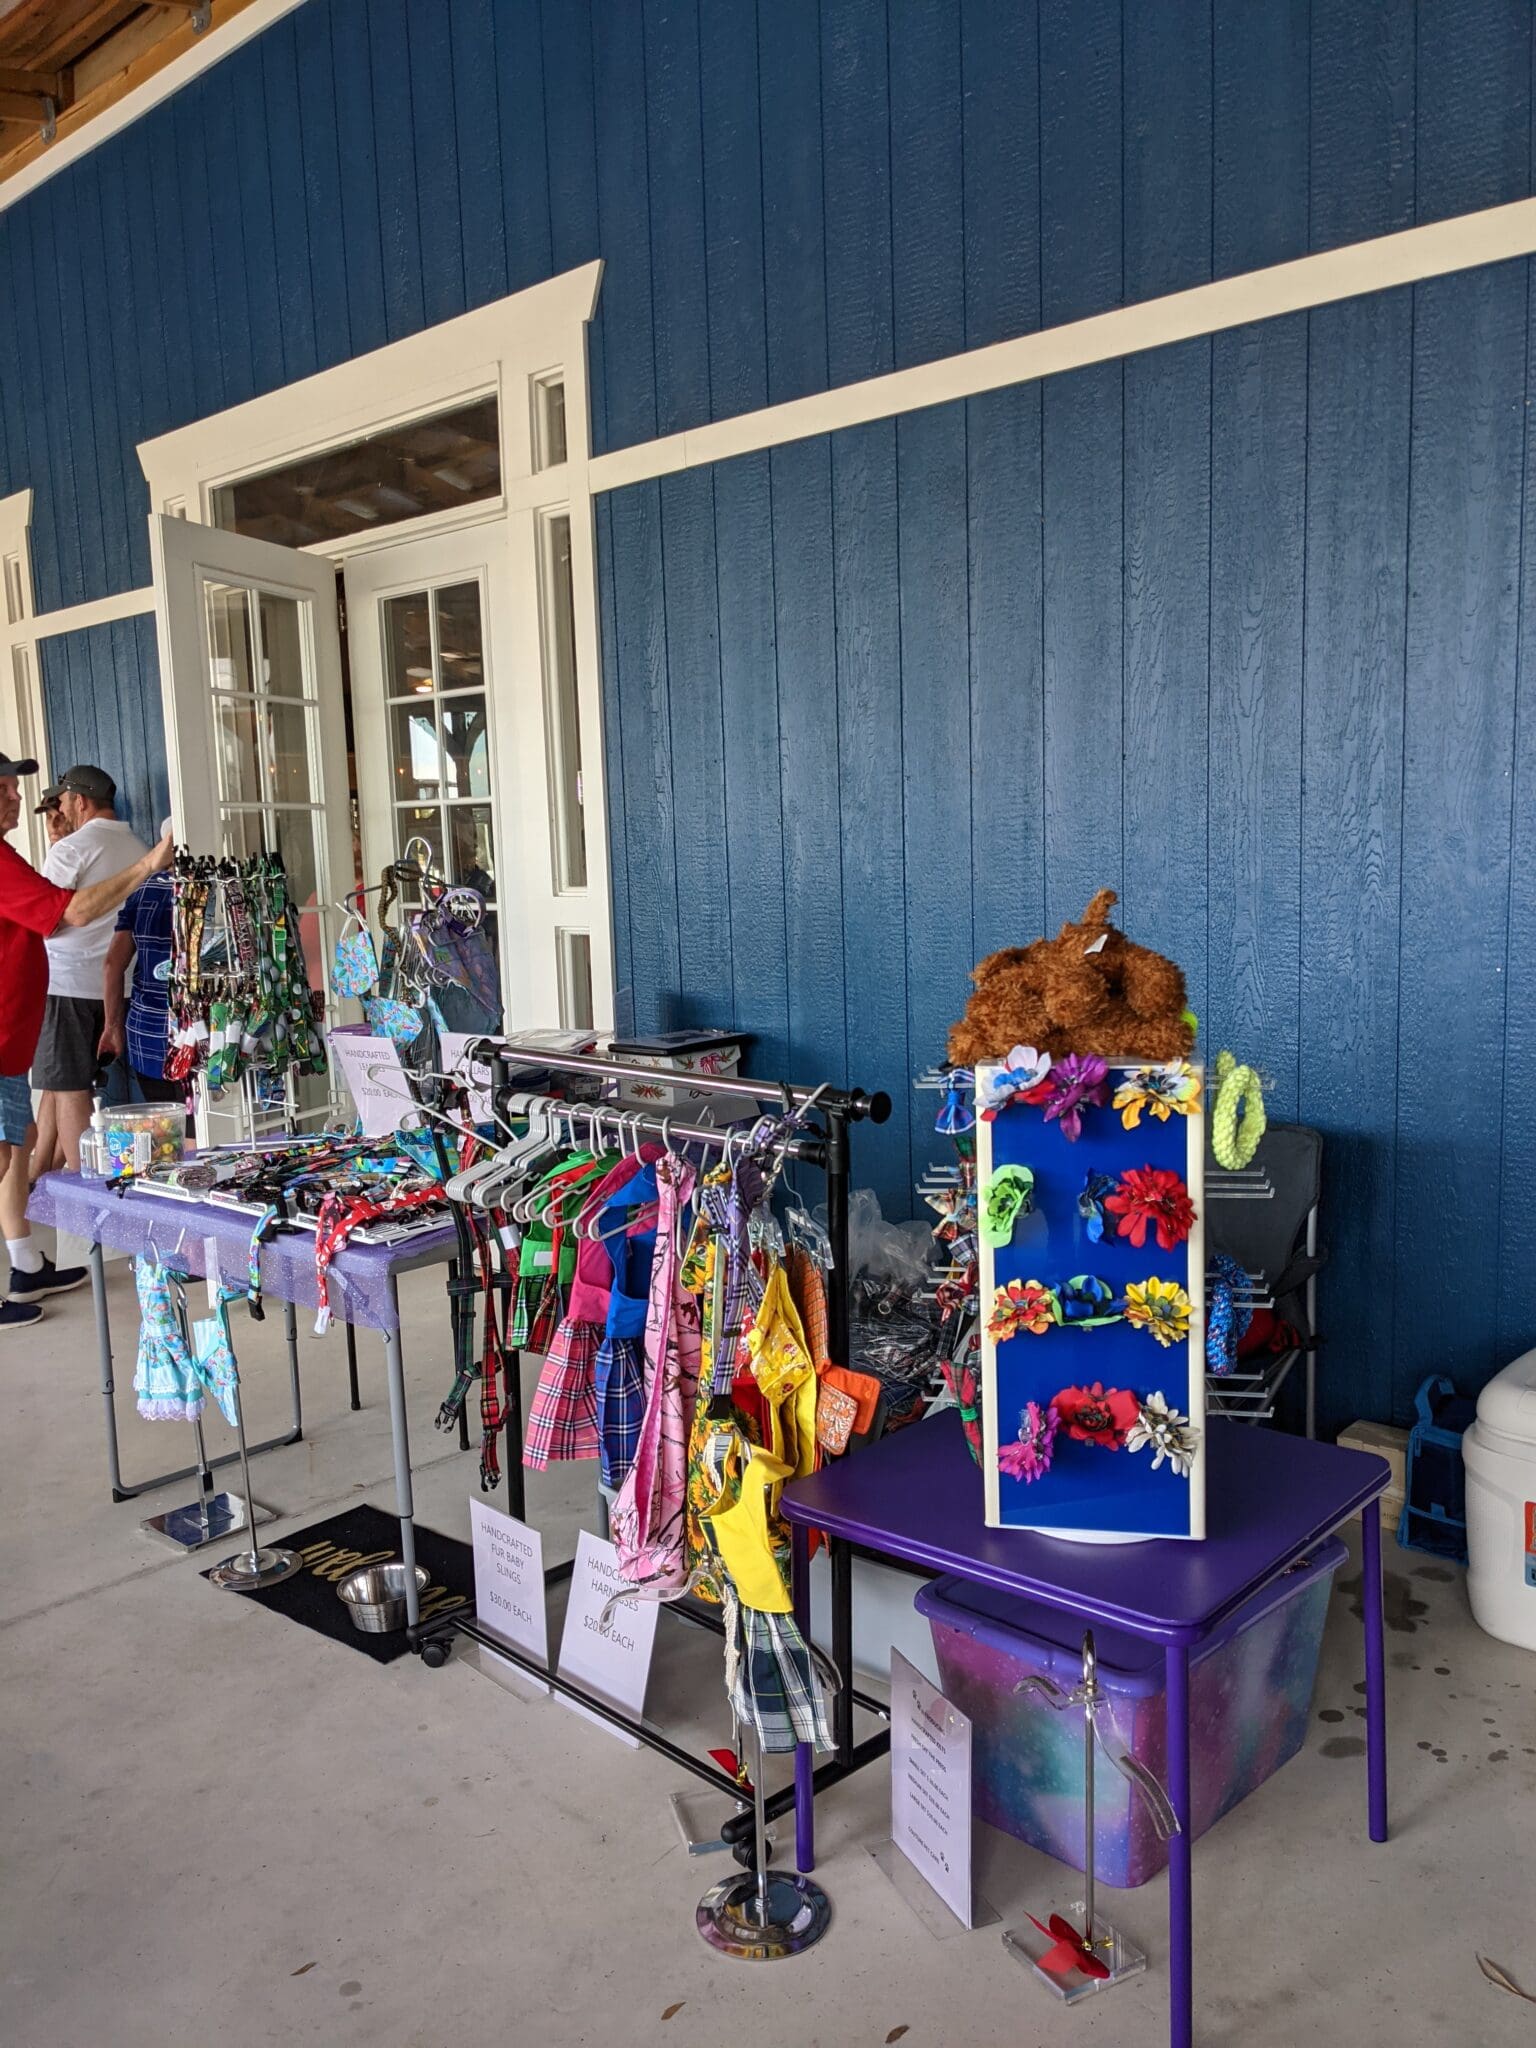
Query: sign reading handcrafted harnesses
[[1092, 1294]]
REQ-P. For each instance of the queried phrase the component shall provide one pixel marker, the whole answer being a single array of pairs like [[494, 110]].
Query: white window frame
[[23, 733], [487, 352]]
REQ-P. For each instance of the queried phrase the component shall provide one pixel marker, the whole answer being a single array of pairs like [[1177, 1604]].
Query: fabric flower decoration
[[1093, 1416], [1090, 1205], [1071, 1951], [1087, 1301], [1155, 1195], [1028, 1457], [1022, 1075], [1166, 1433], [1021, 1305], [1158, 1306], [1075, 1082], [1173, 1090], [956, 1114]]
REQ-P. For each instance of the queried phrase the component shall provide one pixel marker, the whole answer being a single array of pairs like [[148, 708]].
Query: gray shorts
[[66, 1049]]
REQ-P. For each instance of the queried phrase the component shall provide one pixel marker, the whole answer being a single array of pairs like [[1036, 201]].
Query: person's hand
[[110, 1044], [162, 855]]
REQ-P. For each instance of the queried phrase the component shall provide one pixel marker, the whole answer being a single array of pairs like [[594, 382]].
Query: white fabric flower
[[1165, 1432]]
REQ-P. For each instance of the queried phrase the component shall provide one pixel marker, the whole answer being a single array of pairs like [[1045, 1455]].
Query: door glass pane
[[563, 709], [466, 756], [459, 645], [474, 856], [234, 725], [287, 727], [414, 822], [296, 833], [244, 833], [282, 641], [229, 637], [574, 969], [413, 737], [407, 644], [405, 471]]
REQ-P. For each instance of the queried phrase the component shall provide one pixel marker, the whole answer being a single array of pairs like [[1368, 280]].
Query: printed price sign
[[375, 1078], [931, 1786], [478, 1075], [509, 1579], [611, 1659]]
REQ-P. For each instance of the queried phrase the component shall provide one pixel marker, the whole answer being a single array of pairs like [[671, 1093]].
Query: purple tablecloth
[[178, 1231]]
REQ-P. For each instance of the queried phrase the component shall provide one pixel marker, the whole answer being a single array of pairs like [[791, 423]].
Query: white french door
[[250, 661], [448, 715]]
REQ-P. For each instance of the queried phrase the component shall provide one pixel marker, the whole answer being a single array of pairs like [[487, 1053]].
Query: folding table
[[363, 1289], [917, 1497]]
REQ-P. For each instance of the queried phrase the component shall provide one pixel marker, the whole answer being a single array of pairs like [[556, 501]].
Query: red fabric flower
[[1155, 1195], [1095, 1416], [1071, 1951]]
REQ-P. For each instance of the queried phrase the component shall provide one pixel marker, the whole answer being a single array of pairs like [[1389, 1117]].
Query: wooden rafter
[[94, 51]]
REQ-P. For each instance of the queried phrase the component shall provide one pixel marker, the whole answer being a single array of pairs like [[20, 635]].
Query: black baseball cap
[[10, 767], [94, 783]]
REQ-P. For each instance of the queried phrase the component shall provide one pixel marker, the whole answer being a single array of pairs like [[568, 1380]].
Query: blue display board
[[1092, 1487]]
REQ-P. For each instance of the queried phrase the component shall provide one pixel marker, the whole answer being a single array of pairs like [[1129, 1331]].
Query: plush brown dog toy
[[1088, 990]]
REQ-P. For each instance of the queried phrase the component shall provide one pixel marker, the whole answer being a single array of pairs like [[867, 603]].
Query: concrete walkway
[[220, 1828]]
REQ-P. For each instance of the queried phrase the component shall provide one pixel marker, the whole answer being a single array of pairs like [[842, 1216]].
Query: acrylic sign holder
[[1077, 1953]]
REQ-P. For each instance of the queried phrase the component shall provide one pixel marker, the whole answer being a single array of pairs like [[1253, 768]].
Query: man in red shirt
[[30, 910]]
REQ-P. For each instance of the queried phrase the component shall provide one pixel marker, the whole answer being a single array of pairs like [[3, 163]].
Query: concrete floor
[[219, 1827]]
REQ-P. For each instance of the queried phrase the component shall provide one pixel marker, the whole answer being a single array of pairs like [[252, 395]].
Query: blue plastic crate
[[1434, 1516]]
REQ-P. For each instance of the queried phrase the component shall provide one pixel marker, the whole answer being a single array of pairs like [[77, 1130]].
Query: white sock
[[25, 1256]]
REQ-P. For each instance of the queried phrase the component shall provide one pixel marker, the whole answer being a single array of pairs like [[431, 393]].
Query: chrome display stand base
[[761, 1923], [249, 1570], [212, 1519], [762, 1915], [1116, 1951]]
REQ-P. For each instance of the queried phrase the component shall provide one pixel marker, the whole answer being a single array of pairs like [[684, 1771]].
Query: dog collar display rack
[[743, 1917]]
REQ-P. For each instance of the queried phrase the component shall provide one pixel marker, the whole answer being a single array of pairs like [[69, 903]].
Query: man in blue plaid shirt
[[137, 1029]]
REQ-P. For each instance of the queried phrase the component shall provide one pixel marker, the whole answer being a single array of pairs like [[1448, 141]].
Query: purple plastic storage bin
[[1250, 1692]]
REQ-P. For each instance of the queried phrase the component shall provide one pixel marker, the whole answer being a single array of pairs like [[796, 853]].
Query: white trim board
[[1497, 234], [221, 40], [96, 611]]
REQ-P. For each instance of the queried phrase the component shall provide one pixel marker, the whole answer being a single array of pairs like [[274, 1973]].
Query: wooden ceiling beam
[[32, 111], [42, 85]]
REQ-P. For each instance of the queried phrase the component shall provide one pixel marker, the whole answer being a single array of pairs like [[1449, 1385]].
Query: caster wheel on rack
[[434, 1655]]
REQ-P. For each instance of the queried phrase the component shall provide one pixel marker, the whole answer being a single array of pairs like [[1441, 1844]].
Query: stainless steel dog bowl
[[375, 1597]]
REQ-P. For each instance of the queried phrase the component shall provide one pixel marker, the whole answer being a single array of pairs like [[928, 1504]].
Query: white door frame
[[507, 349]]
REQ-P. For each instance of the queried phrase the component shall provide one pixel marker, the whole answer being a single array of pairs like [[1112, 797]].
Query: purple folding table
[[917, 1497], [363, 1292]]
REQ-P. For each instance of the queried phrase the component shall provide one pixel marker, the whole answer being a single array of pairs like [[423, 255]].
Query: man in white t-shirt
[[99, 844]]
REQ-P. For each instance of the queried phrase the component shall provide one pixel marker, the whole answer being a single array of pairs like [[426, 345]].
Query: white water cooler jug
[[1499, 1454]]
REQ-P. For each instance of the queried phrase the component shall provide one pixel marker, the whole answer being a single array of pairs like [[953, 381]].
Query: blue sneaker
[[48, 1279], [18, 1315]]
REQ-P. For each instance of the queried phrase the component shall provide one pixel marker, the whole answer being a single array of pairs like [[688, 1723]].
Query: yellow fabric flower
[[1171, 1090], [1160, 1307]]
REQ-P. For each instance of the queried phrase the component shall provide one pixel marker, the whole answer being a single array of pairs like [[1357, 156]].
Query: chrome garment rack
[[824, 1145]]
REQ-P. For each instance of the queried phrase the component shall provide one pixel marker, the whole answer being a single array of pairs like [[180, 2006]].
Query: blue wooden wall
[[97, 686], [1240, 627]]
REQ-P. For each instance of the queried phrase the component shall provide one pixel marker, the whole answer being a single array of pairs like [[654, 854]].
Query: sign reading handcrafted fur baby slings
[[648, 1520]]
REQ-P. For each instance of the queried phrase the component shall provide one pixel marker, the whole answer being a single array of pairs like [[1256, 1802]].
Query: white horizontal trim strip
[[214, 43], [1495, 235], [101, 611]]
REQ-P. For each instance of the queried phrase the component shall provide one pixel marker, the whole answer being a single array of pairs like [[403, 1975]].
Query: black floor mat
[[343, 1544]]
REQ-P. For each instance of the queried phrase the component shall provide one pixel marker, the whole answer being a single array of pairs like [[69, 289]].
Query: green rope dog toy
[[1237, 1088]]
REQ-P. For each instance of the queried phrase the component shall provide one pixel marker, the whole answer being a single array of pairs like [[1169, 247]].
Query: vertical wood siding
[[1244, 628]]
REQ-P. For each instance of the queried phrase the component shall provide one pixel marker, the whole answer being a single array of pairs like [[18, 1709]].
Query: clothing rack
[[825, 1147]]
